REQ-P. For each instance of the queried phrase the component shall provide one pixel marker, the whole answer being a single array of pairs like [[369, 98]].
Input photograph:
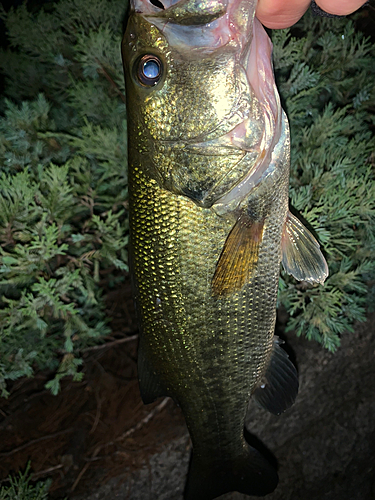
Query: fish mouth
[[199, 28], [197, 25]]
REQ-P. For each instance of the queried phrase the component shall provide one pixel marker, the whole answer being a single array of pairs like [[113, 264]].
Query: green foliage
[[21, 488], [63, 185], [326, 79], [62, 49]]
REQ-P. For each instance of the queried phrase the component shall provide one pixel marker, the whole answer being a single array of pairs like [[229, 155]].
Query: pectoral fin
[[278, 388], [239, 257], [302, 257]]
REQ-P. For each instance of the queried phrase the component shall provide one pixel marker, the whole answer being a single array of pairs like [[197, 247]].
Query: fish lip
[[214, 33], [135, 6]]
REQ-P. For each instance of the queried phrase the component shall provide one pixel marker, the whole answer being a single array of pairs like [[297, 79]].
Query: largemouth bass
[[209, 226]]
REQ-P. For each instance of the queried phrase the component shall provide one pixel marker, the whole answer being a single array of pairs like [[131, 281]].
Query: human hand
[[277, 14]]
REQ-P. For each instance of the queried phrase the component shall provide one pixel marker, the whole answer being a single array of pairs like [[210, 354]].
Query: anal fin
[[302, 257], [239, 257], [278, 389]]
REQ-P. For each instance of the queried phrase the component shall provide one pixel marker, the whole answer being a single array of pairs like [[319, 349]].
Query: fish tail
[[250, 474]]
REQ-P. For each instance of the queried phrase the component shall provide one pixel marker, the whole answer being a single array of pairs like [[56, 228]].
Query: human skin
[[277, 14]]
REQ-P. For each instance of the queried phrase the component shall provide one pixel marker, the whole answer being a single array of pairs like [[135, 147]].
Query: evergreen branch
[[114, 86], [108, 345], [35, 441]]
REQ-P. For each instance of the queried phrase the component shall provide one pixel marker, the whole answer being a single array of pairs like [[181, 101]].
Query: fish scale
[[184, 325], [209, 155]]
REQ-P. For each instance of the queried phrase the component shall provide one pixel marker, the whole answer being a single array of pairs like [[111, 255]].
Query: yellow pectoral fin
[[239, 257]]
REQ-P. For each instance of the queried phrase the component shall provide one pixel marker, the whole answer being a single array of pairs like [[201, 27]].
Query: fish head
[[193, 114], [183, 81]]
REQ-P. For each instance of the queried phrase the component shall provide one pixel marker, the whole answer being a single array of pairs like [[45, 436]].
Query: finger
[[340, 7], [276, 14]]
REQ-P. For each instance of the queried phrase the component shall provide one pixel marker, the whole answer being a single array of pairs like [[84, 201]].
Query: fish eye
[[149, 70]]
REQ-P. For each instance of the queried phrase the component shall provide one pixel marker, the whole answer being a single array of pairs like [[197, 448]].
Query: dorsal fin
[[239, 257], [302, 257]]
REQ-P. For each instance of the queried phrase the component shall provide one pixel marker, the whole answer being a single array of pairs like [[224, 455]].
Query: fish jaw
[[263, 132]]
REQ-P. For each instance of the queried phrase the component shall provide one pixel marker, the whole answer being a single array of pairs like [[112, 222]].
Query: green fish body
[[209, 226]]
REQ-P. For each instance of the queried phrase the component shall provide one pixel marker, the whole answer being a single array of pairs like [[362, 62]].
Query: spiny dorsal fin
[[278, 388], [302, 257], [239, 257]]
